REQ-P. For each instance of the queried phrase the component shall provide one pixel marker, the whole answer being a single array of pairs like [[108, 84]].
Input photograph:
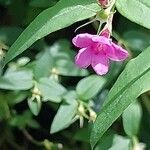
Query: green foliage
[[4, 109], [51, 90], [132, 119], [66, 113], [57, 60], [49, 101], [63, 14], [35, 105], [113, 142], [135, 10], [89, 87], [12, 81], [23, 120], [121, 95]]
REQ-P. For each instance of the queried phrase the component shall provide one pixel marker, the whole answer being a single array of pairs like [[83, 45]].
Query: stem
[[99, 28], [112, 5], [85, 24], [31, 139]]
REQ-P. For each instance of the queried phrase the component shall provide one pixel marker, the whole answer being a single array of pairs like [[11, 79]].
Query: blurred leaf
[[64, 66], [121, 143], [65, 114], [121, 95], [15, 97], [9, 34], [21, 121], [111, 141], [63, 14], [43, 65], [43, 3], [135, 10], [51, 90], [106, 141], [132, 118], [69, 95], [4, 108], [34, 105], [83, 135], [63, 57], [137, 40], [23, 61], [16, 80], [33, 124], [57, 60], [90, 86]]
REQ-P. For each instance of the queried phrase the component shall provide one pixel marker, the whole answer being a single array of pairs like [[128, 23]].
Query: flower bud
[[104, 3], [105, 32]]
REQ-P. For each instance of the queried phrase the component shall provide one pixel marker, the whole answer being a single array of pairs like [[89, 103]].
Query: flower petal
[[100, 64], [116, 52], [83, 40], [83, 58], [101, 40]]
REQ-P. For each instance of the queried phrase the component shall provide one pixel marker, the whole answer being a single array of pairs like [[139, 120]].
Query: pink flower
[[97, 51]]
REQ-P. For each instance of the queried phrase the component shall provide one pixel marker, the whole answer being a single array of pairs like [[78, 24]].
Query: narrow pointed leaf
[[121, 95], [61, 15]]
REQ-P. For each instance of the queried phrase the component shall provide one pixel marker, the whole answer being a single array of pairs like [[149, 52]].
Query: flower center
[[98, 48]]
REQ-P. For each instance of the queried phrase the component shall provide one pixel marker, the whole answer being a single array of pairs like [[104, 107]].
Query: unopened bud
[[104, 3], [105, 32]]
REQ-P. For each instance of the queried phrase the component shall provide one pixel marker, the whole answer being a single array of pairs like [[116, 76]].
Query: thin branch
[[31, 139]]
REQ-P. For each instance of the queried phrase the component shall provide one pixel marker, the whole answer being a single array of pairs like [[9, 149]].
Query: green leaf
[[137, 40], [65, 114], [51, 90], [106, 141], [64, 66], [43, 65], [4, 108], [137, 11], [63, 57], [90, 86], [121, 143], [132, 119], [33, 124], [16, 80], [111, 141], [34, 105], [15, 97], [130, 84], [22, 120], [63, 14], [82, 135]]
